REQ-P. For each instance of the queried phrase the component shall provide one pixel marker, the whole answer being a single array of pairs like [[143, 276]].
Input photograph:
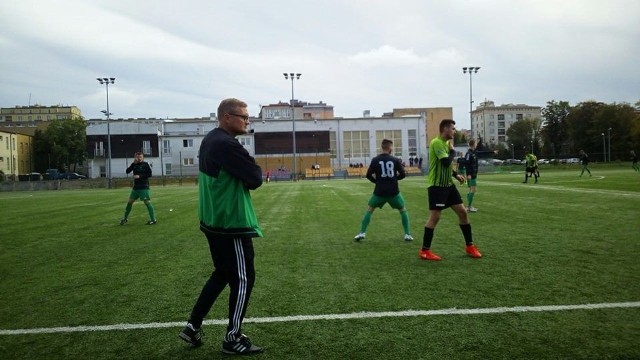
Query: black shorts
[[531, 169], [441, 198]]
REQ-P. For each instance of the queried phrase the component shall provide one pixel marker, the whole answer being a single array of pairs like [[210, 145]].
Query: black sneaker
[[152, 222], [123, 221], [240, 346], [191, 335]]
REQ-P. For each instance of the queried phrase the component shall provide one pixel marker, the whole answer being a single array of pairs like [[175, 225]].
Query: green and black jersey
[[143, 170], [471, 161], [531, 160], [440, 159], [227, 173], [385, 170]]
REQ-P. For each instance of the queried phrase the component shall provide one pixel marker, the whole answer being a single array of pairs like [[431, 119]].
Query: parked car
[[513, 162], [543, 161], [72, 176], [52, 174], [573, 161], [497, 162]]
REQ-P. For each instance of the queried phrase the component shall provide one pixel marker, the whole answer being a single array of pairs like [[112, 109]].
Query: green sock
[[470, 198], [365, 221], [152, 213], [405, 221], [127, 210]]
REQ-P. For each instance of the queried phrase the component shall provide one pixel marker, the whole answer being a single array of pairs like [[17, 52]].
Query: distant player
[[634, 161], [531, 166], [584, 159], [443, 193], [471, 165], [141, 174], [385, 170]]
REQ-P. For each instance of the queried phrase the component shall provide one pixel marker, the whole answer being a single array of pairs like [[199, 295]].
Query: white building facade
[[345, 141], [491, 122]]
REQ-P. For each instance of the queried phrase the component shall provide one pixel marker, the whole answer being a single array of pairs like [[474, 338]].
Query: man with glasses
[[227, 218]]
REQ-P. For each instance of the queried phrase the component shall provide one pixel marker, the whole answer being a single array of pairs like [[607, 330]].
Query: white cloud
[[387, 55], [180, 59]]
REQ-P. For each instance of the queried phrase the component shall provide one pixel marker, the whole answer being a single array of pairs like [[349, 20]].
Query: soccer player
[[584, 159], [385, 170], [141, 174], [227, 218], [634, 161], [531, 166], [471, 162], [443, 192]]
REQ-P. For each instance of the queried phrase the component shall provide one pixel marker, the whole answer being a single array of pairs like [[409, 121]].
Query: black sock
[[427, 238], [466, 232]]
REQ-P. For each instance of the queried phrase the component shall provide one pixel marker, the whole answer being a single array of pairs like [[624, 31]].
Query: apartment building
[[16, 153], [491, 122]]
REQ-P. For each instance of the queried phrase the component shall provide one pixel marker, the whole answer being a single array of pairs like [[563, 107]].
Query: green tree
[[524, 134], [62, 145], [459, 138], [554, 127]]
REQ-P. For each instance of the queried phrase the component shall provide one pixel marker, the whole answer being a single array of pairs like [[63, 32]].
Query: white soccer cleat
[[359, 237], [408, 237]]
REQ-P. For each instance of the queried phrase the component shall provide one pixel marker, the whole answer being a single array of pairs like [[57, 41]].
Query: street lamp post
[[604, 148], [293, 76], [106, 81], [532, 146], [609, 137], [471, 70], [513, 152]]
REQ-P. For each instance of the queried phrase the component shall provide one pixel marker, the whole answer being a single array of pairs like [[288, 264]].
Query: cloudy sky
[[180, 58]]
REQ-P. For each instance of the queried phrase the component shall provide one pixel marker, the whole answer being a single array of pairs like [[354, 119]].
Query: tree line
[[563, 130]]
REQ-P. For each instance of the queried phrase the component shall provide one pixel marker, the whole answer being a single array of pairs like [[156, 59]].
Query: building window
[[501, 124], [245, 141], [413, 144], [187, 161], [393, 135], [518, 116], [167, 169], [99, 149], [332, 145], [500, 116], [166, 146], [187, 143], [356, 144], [146, 147]]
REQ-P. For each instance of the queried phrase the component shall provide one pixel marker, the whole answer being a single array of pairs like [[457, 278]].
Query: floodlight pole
[[609, 136], [106, 81], [471, 70], [604, 148], [513, 152], [293, 76]]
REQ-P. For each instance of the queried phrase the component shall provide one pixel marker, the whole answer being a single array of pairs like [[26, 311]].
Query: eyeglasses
[[243, 117]]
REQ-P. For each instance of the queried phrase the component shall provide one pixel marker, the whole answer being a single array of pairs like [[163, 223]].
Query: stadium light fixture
[[293, 76], [471, 70], [106, 81]]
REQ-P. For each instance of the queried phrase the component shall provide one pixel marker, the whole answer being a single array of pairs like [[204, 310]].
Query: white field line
[[543, 186], [359, 315]]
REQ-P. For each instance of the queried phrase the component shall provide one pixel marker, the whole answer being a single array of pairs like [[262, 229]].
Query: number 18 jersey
[[385, 170]]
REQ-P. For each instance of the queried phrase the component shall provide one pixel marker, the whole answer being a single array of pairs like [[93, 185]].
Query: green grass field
[[567, 241]]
